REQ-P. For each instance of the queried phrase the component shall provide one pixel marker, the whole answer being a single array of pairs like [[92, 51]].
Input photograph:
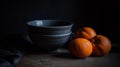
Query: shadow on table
[[65, 56]]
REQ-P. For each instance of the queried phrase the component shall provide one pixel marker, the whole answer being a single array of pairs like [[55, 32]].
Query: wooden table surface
[[62, 58]]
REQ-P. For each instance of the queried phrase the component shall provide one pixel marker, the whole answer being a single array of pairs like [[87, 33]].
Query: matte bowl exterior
[[49, 27], [50, 42]]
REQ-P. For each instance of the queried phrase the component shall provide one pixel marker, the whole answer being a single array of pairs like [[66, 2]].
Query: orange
[[80, 48], [101, 45], [85, 32]]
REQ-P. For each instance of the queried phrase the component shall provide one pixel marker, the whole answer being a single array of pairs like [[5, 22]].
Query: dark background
[[101, 15]]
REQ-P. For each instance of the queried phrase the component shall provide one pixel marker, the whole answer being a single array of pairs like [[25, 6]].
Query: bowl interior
[[48, 23]]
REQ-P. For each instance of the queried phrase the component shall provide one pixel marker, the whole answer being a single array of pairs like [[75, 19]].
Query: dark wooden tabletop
[[62, 58]]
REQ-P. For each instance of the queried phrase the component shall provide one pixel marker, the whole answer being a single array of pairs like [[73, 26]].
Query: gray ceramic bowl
[[50, 42], [49, 27], [49, 35]]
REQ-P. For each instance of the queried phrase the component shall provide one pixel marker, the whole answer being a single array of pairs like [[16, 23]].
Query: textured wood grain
[[62, 58]]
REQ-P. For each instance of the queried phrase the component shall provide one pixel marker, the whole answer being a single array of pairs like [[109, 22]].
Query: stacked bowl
[[49, 35]]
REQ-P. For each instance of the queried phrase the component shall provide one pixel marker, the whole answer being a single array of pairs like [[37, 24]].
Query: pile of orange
[[87, 42]]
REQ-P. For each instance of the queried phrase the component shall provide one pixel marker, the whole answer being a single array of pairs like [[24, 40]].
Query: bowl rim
[[69, 24]]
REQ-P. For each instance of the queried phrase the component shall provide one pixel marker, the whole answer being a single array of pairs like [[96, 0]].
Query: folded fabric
[[9, 58], [4, 63]]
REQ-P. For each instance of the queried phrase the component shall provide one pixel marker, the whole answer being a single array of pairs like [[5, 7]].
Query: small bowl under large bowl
[[50, 42], [49, 27]]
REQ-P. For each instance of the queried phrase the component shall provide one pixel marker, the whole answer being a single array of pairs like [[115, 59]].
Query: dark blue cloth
[[8, 58], [11, 49]]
